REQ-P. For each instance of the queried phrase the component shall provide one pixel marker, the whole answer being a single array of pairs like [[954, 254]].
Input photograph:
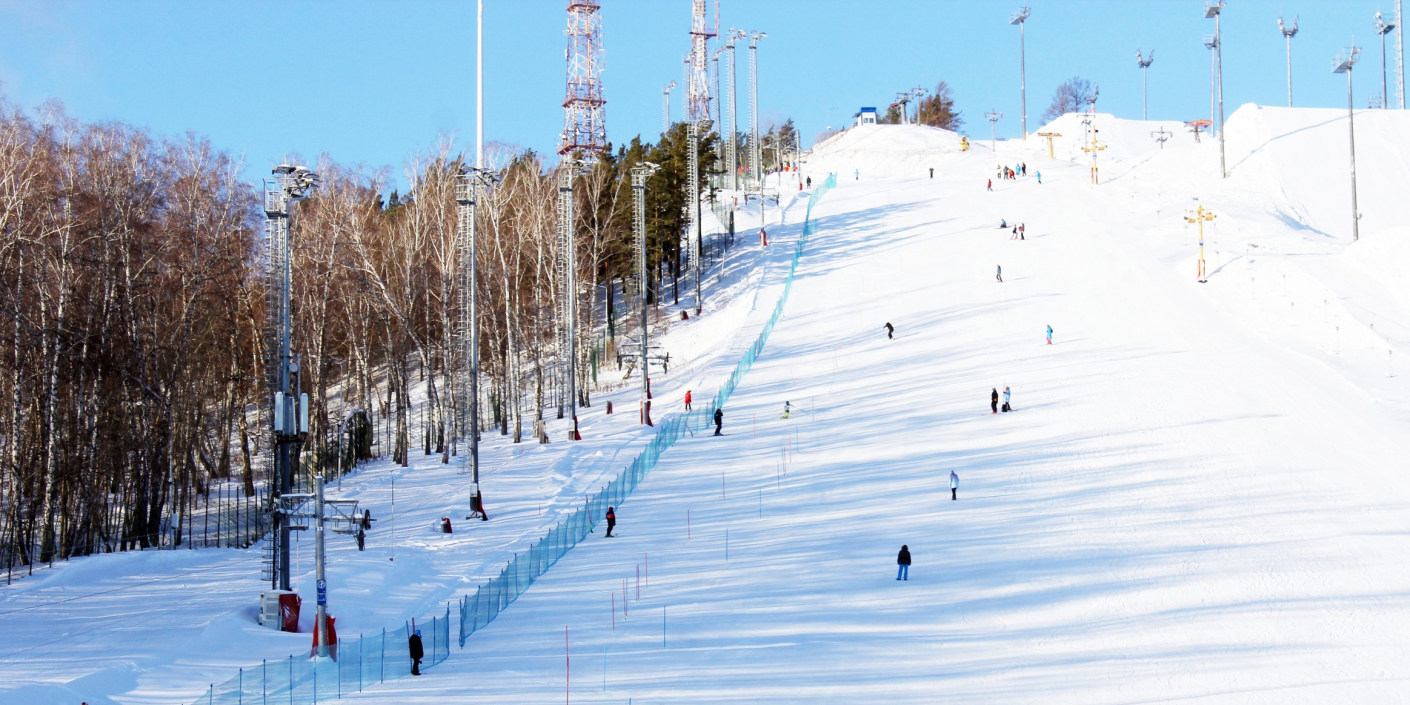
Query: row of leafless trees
[[131, 311]]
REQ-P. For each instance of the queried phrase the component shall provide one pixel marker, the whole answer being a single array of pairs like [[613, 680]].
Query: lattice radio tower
[[698, 111], [584, 118]]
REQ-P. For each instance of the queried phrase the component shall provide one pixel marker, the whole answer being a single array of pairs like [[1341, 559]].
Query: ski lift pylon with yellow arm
[[1200, 215]]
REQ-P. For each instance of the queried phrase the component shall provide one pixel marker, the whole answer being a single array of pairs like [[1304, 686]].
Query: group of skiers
[[1014, 173]]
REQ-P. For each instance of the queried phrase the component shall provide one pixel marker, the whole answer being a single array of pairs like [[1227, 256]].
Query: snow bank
[[883, 150]]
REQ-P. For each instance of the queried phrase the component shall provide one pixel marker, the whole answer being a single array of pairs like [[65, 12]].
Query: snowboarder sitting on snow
[[417, 653], [1003, 224], [889, 330], [954, 485], [903, 559], [719, 421], [611, 521], [994, 400]]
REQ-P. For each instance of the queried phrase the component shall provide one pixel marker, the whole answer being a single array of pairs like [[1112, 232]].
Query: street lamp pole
[[1144, 63], [1214, 9], [1288, 34]]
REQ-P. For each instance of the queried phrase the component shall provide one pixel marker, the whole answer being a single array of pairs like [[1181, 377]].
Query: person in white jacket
[[954, 485]]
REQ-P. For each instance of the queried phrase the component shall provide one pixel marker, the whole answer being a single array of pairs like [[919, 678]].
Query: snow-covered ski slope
[[1199, 498]]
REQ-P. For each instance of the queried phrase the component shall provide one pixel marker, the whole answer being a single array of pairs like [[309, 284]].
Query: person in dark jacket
[[417, 653], [719, 421], [903, 560], [889, 329], [994, 400], [611, 521]]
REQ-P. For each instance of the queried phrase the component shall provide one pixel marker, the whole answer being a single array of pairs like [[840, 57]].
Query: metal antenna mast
[[1213, 9], [1383, 28], [584, 121], [699, 109], [666, 107], [288, 185], [993, 117], [1144, 63], [1288, 34], [1343, 64], [1020, 18], [640, 173], [754, 156]]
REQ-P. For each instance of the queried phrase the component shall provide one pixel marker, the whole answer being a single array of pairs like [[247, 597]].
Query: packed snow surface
[[1200, 495]]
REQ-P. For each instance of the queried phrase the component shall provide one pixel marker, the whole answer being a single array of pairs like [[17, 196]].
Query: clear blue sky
[[371, 82]]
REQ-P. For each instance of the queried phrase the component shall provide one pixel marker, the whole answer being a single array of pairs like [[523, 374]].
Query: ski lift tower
[[1200, 216], [993, 117], [1343, 64], [1049, 137]]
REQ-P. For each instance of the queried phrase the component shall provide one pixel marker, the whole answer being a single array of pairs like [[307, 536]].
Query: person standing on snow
[[719, 421], [810, 182], [687, 400], [954, 485], [999, 273], [1020, 232], [903, 560], [1014, 236], [932, 172], [417, 653], [856, 174], [1024, 167], [994, 400], [1039, 174], [611, 521], [889, 329], [990, 185], [1050, 335], [1006, 397]]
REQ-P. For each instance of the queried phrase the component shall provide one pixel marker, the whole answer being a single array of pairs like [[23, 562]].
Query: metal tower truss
[[584, 113]]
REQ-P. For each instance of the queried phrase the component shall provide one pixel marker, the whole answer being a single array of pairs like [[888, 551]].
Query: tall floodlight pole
[[731, 112], [1144, 63], [1400, 56], [640, 173], [666, 107], [698, 108], [1020, 18], [468, 185], [1213, 10], [1288, 34], [993, 117], [480, 85], [1343, 64], [1210, 42], [754, 156], [1384, 27], [288, 185], [569, 253]]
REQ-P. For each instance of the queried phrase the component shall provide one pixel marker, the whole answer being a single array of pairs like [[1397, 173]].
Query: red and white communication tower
[[584, 124]]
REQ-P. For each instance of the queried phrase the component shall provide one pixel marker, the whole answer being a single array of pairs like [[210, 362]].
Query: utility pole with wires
[[1020, 18], [993, 117], [1214, 9], [1144, 63], [1288, 34], [1343, 64]]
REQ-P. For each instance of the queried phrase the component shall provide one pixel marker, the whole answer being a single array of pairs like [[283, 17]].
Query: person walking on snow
[[810, 182], [856, 174], [417, 653], [889, 329], [932, 172], [687, 400], [1024, 167], [1014, 236], [1050, 335], [903, 560], [994, 400], [1039, 174], [954, 485], [999, 273], [719, 421], [611, 521], [990, 185]]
